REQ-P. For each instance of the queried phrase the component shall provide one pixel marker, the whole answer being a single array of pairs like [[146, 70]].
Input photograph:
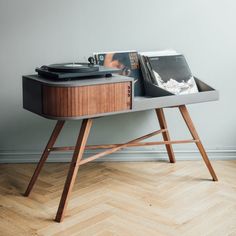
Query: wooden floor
[[151, 198]]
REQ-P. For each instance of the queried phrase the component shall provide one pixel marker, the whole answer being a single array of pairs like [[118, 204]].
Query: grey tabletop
[[206, 93], [81, 82]]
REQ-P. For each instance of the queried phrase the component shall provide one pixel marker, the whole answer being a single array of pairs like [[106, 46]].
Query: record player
[[75, 70]]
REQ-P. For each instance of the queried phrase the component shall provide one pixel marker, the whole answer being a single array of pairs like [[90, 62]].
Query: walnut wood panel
[[86, 100]]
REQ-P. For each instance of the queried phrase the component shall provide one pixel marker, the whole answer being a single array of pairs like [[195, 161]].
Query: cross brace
[[111, 148]]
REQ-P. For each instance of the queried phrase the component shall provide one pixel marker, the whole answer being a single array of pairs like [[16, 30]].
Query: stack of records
[[167, 70]]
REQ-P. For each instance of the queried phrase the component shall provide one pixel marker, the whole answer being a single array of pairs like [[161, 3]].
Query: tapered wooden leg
[[195, 136], [74, 166], [44, 156], [165, 135]]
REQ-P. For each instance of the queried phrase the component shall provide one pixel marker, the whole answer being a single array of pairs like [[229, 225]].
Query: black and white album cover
[[169, 70]]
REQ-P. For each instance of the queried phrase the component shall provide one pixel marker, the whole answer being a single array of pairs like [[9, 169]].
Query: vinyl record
[[73, 67]]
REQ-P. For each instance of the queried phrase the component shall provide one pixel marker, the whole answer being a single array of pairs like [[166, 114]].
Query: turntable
[[75, 70]]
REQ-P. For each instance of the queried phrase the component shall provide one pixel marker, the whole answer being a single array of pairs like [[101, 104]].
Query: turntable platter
[[73, 67]]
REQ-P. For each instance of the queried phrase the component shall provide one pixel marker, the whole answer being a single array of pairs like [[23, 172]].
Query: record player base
[[80, 146]]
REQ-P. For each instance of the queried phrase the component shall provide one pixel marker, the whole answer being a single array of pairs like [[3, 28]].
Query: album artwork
[[128, 62], [168, 70]]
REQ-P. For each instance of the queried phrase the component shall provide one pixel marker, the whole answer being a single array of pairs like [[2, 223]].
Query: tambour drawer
[[86, 100]]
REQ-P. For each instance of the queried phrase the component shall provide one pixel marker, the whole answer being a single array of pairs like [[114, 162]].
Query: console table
[[87, 99]]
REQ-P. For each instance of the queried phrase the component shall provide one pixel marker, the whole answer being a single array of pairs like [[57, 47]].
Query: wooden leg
[[195, 136], [74, 166], [165, 135], [44, 156]]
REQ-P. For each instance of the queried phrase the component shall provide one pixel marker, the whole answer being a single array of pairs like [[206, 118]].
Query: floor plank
[[121, 198]]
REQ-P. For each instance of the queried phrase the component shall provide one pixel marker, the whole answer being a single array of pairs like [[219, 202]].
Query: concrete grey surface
[[82, 82], [34, 33], [140, 103]]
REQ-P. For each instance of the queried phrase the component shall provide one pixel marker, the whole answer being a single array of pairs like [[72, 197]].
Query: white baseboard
[[124, 155]]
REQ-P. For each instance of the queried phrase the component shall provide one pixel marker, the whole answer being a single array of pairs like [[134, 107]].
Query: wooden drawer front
[[86, 100]]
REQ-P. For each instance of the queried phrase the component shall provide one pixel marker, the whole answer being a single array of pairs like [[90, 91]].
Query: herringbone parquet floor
[[133, 199]]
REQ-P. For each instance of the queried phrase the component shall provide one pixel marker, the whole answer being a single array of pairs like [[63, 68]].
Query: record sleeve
[[127, 62]]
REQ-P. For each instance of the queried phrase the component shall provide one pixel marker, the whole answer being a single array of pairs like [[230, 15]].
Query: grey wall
[[34, 33]]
